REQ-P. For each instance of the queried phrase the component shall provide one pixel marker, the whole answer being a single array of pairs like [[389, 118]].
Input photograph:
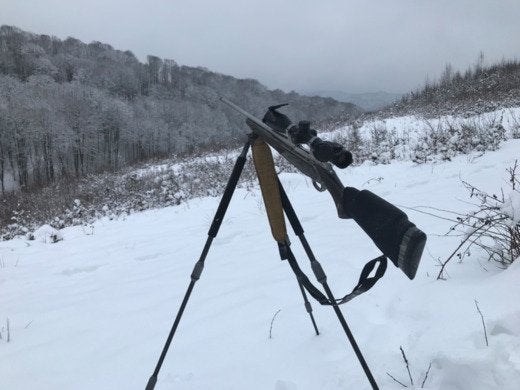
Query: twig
[[407, 365], [426, 213], [435, 209], [512, 173], [29, 323], [378, 179], [426, 375], [401, 383], [439, 276], [8, 330], [272, 321], [483, 323]]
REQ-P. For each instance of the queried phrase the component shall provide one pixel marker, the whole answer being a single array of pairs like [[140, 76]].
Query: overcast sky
[[353, 46]]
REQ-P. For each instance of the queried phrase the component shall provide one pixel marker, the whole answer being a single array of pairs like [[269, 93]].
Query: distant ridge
[[480, 88], [368, 101]]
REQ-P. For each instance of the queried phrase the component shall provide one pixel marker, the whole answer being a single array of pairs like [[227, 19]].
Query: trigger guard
[[318, 186]]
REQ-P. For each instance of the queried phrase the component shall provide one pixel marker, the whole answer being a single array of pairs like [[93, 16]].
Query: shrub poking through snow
[[174, 181], [47, 234], [111, 195], [438, 140], [410, 377], [494, 226], [447, 139]]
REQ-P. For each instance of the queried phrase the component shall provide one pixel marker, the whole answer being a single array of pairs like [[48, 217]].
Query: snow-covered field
[[412, 125], [93, 311]]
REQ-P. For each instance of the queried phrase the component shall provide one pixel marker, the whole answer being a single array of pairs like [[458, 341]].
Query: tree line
[[68, 108], [479, 88]]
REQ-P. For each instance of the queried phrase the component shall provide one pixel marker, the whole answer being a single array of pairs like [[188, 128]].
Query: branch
[[483, 323], [426, 375], [272, 321], [8, 330], [401, 383], [439, 276], [407, 365]]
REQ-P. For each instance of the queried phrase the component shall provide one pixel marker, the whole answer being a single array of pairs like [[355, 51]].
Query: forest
[[479, 88], [68, 108]]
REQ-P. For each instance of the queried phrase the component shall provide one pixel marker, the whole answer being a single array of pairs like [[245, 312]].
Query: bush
[[448, 139], [111, 195], [437, 142], [494, 226]]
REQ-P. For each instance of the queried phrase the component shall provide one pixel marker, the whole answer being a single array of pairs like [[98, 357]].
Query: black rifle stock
[[387, 226]]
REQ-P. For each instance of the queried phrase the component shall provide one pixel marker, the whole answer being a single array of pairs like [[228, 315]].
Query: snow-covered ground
[[93, 311], [413, 126]]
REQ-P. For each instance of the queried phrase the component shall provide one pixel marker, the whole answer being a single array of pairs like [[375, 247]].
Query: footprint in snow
[[77, 270], [147, 257], [507, 325], [285, 385]]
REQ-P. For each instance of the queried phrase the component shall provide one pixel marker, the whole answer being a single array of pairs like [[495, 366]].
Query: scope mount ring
[[319, 187]]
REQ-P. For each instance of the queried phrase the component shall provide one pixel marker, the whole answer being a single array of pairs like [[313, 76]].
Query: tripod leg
[[285, 252], [322, 278], [308, 307], [199, 265]]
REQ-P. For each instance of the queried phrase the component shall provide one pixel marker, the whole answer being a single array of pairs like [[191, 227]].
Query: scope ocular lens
[[326, 151], [343, 159]]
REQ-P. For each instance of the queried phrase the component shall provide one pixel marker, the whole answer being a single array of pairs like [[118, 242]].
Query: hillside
[[368, 101], [93, 311], [481, 88], [93, 266], [68, 108]]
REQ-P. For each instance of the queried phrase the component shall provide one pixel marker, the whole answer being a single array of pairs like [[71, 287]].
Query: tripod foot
[[308, 308], [151, 382]]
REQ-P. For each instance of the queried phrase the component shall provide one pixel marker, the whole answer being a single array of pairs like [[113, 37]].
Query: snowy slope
[[413, 126], [93, 311]]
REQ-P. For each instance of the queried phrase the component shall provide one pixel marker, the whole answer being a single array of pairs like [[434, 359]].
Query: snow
[[47, 234], [512, 207], [93, 311], [413, 126]]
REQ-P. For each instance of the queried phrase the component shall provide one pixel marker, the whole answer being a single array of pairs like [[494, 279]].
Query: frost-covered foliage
[[113, 195], [446, 140], [380, 145], [481, 88], [494, 226], [434, 141], [68, 108], [47, 234]]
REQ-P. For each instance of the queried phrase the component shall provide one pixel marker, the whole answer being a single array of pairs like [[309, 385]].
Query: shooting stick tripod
[[276, 202]]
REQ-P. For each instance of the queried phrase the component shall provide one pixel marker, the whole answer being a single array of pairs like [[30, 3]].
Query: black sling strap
[[364, 284]]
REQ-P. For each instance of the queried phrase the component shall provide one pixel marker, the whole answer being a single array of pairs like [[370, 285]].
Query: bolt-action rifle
[[388, 227]]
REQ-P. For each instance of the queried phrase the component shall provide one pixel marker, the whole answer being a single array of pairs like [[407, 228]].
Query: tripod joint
[[318, 272], [283, 247], [197, 271]]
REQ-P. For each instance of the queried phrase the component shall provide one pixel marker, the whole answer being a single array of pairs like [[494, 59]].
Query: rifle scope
[[324, 151]]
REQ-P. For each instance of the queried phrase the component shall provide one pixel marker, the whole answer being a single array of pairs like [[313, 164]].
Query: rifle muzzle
[[388, 227]]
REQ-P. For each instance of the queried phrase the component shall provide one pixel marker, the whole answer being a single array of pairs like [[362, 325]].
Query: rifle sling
[[364, 284], [269, 185]]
